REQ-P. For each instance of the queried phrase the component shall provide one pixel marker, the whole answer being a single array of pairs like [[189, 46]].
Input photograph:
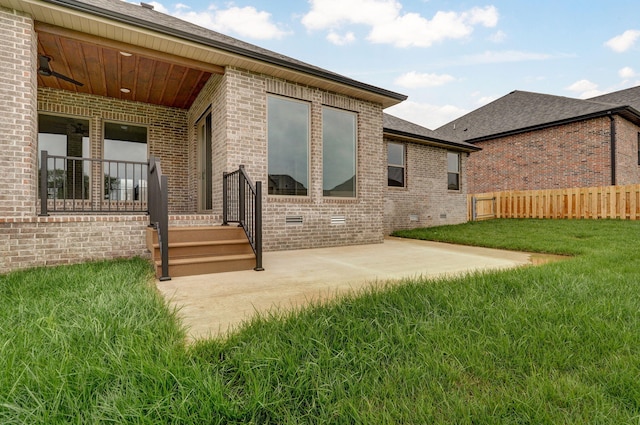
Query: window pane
[[125, 181], [395, 154], [453, 182], [288, 146], [67, 137], [453, 162], [395, 176], [338, 153], [395, 169]]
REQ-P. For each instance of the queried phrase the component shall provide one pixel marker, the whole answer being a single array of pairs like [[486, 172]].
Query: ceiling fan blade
[[65, 78], [44, 68]]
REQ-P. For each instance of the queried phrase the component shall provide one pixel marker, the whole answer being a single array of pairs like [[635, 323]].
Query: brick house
[[538, 141], [93, 89]]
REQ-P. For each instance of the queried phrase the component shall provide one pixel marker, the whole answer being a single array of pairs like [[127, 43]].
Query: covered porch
[[110, 116]]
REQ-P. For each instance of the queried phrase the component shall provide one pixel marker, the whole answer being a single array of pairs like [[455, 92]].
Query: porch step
[[205, 265], [203, 250]]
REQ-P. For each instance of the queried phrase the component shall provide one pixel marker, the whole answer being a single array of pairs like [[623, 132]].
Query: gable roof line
[[406, 130], [522, 111], [610, 111], [255, 55], [467, 147]]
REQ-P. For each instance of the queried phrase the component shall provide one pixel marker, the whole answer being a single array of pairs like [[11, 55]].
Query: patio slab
[[211, 305]]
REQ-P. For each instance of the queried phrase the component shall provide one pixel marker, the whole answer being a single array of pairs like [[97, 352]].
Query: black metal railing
[[159, 211], [242, 204], [74, 185], [87, 185]]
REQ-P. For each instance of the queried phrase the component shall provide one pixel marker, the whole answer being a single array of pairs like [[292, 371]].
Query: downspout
[[612, 132]]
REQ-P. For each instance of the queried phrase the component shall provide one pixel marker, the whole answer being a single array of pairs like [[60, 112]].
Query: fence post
[[258, 229], [43, 183], [474, 213]]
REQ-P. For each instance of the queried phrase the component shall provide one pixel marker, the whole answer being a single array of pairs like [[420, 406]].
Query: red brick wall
[[571, 155], [627, 168]]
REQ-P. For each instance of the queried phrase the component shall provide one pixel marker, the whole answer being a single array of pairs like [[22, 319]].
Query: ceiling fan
[[45, 70]]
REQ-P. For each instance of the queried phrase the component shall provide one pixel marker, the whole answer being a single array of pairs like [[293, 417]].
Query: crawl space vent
[[413, 217], [338, 219], [293, 219]]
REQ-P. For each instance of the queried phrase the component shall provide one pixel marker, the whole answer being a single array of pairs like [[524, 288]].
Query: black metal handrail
[[159, 211], [242, 204], [68, 185]]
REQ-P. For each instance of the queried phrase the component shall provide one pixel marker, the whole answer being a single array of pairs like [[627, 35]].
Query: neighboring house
[[540, 141], [103, 85]]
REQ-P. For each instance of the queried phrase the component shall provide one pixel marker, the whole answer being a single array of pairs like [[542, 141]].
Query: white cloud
[[585, 89], [504, 56], [341, 40], [498, 36], [415, 80], [426, 115], [627, 72], [623, 42], [333, 13], [244, 21], [389, 26]]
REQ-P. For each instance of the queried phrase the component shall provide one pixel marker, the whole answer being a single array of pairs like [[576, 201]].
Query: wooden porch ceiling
[[104, 67]]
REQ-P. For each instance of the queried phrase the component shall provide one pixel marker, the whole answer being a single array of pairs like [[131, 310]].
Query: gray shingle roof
[[151, 19], [519, 110], [628, 97], [394, 126]]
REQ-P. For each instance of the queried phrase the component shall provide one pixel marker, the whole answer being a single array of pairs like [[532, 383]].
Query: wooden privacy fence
[[621, 202]]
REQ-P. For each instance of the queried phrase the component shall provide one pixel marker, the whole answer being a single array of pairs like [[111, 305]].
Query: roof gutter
[[130, 20], [466, 147]]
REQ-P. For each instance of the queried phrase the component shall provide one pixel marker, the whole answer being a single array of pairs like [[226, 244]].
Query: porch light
[[125, 90]]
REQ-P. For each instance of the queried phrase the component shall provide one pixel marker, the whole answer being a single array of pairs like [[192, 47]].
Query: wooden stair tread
[[208, 259], [203, 228], [205, 243]]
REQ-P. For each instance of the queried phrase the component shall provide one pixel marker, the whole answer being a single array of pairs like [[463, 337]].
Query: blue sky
[[449, 57]]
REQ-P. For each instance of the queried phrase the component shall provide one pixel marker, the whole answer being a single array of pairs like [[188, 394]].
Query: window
[[395, 168], [338, 153], [65, 137], [453, 171], [288, 146], [125, 181]]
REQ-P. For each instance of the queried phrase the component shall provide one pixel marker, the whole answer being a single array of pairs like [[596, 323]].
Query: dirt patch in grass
[[539, 259]]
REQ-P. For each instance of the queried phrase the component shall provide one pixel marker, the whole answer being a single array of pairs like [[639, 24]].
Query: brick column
[[18, 115]]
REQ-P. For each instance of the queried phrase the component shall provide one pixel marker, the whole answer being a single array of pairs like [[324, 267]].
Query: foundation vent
[[443, 215], [338, 219], [293, 219], [413, 217]]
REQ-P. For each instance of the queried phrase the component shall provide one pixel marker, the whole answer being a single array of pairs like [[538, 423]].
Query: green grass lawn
[[552, 344]]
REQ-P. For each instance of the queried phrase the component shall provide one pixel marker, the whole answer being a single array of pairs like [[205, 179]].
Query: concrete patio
[[211, 305]]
